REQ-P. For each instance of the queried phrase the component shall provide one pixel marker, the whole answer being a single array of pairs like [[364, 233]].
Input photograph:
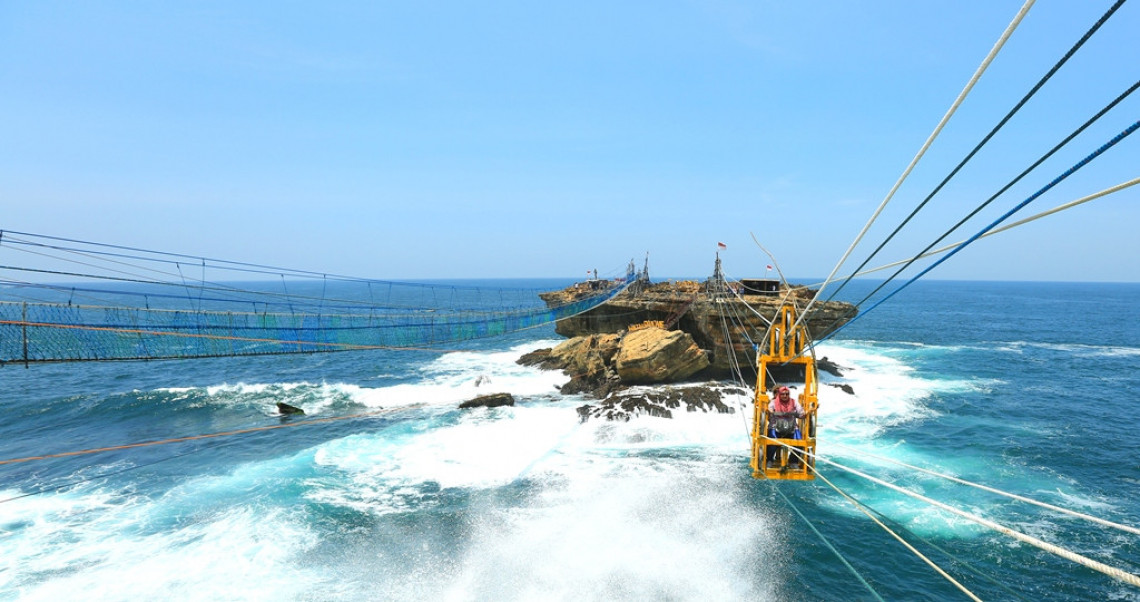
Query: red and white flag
[[721, 245], [769, 267]]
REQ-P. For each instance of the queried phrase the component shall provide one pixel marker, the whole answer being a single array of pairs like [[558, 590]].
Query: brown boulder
[[585, 355], [655, 355]]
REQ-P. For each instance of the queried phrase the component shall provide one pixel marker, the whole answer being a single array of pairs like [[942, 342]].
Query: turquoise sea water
[[1031, 388]]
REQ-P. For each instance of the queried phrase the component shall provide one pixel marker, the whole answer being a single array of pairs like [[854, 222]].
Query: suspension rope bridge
[[144, 313]]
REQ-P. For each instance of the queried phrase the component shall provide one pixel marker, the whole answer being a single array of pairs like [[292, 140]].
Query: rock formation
[[656, 355], [602, 363], [493, 400], [627, 404], [670, 333], [703, 310], [287, 410]]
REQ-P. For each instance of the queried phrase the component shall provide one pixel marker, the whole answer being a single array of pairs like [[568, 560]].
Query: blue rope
[[1107, 145]]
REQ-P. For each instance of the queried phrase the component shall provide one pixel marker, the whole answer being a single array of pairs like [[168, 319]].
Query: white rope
[[1019, 498], [860, 506], [1032, 218], [1111, 571], [930, 140], [779, 272]]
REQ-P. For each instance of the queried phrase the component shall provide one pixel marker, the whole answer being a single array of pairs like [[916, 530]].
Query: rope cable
[[826, 542], [1017, 107], [117, 472], [1022, 222], [84, 452], [929, 141], [943, 551], [1116, 139], [1009, 185], [1014, 496], [858, 505], [957, 561], [1111, 571]]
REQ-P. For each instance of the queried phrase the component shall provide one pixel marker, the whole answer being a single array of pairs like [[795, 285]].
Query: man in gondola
[[784, 415]]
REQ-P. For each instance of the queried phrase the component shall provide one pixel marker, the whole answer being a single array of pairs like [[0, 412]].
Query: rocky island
[[670, 332]]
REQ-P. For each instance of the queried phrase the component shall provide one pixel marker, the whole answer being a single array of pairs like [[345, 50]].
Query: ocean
[[1030, 388]]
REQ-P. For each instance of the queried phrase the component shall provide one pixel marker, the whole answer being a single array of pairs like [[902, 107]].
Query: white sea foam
[[202, 540], [637, 531], [239, 554], [455, 377], [886, 392], [613, 519]]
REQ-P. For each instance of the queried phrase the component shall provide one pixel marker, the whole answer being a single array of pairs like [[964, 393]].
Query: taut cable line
[[826, 542], [1014, 496], [1017, 107], [926, 145], [1111, 571], [1022, 222], [860, 506], [1098, 152], [1015, 180]]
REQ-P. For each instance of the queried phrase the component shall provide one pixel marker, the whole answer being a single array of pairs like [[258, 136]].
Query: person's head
[[783, 392]]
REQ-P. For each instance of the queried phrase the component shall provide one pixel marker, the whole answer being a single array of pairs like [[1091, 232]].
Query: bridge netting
[[129, 304], [42, 332]]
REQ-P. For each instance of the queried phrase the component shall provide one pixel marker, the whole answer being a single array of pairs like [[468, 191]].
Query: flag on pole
[[769, 267], [721, 245]]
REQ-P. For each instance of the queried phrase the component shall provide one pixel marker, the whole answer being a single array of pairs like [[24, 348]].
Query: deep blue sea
[[1030, 388]]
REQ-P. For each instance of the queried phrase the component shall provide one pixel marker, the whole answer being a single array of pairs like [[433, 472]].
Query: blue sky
[[537, 139]]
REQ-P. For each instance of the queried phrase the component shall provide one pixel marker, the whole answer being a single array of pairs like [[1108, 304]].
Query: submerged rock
[[846, 388], [288, 410], [659, 402], [828, 366], [493, 400]]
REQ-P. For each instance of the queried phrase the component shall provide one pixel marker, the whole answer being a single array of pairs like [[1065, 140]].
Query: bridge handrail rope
[[290, 299], [1074, 513], [1009, 115], [1113, 142], [926, 145], [182, 282], [175, 278], [220, 264], [860, 506], [461, 330], [38, 329], [1101, 567]]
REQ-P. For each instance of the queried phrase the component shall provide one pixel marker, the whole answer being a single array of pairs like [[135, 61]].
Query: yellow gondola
[[787, 458]]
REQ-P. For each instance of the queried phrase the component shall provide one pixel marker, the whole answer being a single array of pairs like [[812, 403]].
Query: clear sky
[[543, 139]]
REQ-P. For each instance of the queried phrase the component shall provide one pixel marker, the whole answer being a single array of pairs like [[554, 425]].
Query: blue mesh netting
[[39, 331]]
